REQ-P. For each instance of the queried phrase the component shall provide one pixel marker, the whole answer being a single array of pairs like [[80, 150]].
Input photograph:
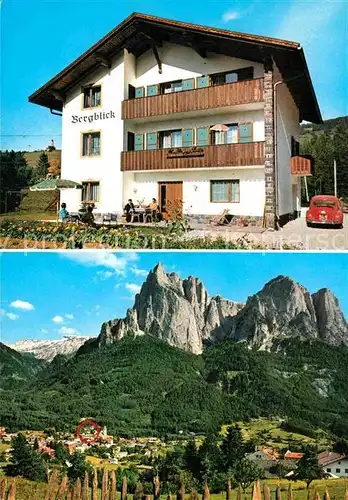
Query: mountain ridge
[[181, 312]]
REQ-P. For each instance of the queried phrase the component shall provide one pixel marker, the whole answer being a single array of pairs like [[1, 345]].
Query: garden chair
[[220, 219]]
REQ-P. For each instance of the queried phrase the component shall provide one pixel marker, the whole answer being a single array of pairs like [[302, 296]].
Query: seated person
[[63, 213], [88, 217], [154, 207], [129, 207]]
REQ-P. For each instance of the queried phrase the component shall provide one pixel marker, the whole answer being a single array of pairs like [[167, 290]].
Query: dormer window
[[92, 96]]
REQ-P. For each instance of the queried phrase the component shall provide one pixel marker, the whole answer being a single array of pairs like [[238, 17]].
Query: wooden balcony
[[301, 165], [218, 96], [225, 155]]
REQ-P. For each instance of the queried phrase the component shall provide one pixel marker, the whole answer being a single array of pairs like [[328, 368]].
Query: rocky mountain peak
[[176, 310], [332, 325], [181, 312]]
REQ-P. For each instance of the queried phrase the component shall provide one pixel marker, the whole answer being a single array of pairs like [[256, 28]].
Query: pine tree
[[25, 461], [79, 466], [232, 448], [41, 169]]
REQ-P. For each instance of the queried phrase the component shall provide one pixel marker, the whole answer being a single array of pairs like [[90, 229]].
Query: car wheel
[[309, 224]]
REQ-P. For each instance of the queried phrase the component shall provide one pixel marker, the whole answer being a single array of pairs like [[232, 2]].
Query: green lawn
[[32, 216], [270, 433]]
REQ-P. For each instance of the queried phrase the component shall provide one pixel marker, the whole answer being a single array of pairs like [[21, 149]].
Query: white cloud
[[12, 316], [65, 330], [2, 311], [117, 263], [133, 287], [139, 272], [310, 34], [23, 305], [230, 15], [58, 319], [69, 316]]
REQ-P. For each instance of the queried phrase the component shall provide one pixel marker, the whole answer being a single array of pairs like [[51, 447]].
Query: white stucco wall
[[143, 186], [106, 167], [183, 62], [116, 187], [342, 465], [288, 125]]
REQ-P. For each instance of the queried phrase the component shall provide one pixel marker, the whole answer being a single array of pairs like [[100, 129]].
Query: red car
[[326, 210]]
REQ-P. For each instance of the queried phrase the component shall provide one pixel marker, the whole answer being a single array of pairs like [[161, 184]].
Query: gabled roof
[[138, 32], [292, 455], [329, 457]]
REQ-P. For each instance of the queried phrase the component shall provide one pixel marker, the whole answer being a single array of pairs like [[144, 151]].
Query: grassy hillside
[[326, 126], [39, 201], [32, 157], [143, 386], [17, 369]]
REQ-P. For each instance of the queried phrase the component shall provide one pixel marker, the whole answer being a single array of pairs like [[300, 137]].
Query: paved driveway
[[315, 238], [295, 233]]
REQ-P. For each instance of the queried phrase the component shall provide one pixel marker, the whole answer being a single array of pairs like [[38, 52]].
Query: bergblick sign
[[96, 116]]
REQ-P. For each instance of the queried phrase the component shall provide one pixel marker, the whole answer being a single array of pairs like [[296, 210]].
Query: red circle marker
[[88, 431]]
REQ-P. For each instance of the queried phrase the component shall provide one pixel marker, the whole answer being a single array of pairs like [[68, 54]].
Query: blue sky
[[45, 295], [39, 38]]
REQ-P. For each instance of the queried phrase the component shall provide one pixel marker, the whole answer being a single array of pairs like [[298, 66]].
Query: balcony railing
[[301, 165], [225, 155], [217, 96]]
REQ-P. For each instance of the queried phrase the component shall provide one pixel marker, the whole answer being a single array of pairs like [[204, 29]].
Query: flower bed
[[50, 235]]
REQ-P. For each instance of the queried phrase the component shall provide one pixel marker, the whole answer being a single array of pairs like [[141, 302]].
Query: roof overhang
[[139, 32]]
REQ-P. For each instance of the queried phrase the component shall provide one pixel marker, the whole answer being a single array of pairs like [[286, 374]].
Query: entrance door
[[170, 199]]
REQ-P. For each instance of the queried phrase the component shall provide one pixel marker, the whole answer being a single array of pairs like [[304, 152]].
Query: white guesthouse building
[[205, 118]]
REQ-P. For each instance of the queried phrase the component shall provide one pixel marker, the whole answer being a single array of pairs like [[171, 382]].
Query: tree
[[25, 461], [15, 174], [232, 448], [246, 473], [61, 453], [308, 468], [41, 169], [79, 466], [191, 458]]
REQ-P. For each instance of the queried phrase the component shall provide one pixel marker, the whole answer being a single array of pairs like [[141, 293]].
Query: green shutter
[[203, 136], [235, 196], [188, 84], [139, 142], [151, 90], [187, 137], [245, 132], [151, 140], [139, 92], [202, 81]]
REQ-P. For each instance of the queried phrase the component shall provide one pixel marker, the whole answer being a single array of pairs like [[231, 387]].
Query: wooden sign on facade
[[300, 165], [185, 152]]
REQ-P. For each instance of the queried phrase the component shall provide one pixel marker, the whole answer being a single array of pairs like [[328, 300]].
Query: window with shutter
[[151, 140], [151, 90], [245, 132], [203, 136], [139, 92], [139, 142], [187, 137], [202, 81], [188, 84]]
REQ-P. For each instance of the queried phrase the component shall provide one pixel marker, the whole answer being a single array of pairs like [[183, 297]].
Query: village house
[[202, 119], [335, 464]]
